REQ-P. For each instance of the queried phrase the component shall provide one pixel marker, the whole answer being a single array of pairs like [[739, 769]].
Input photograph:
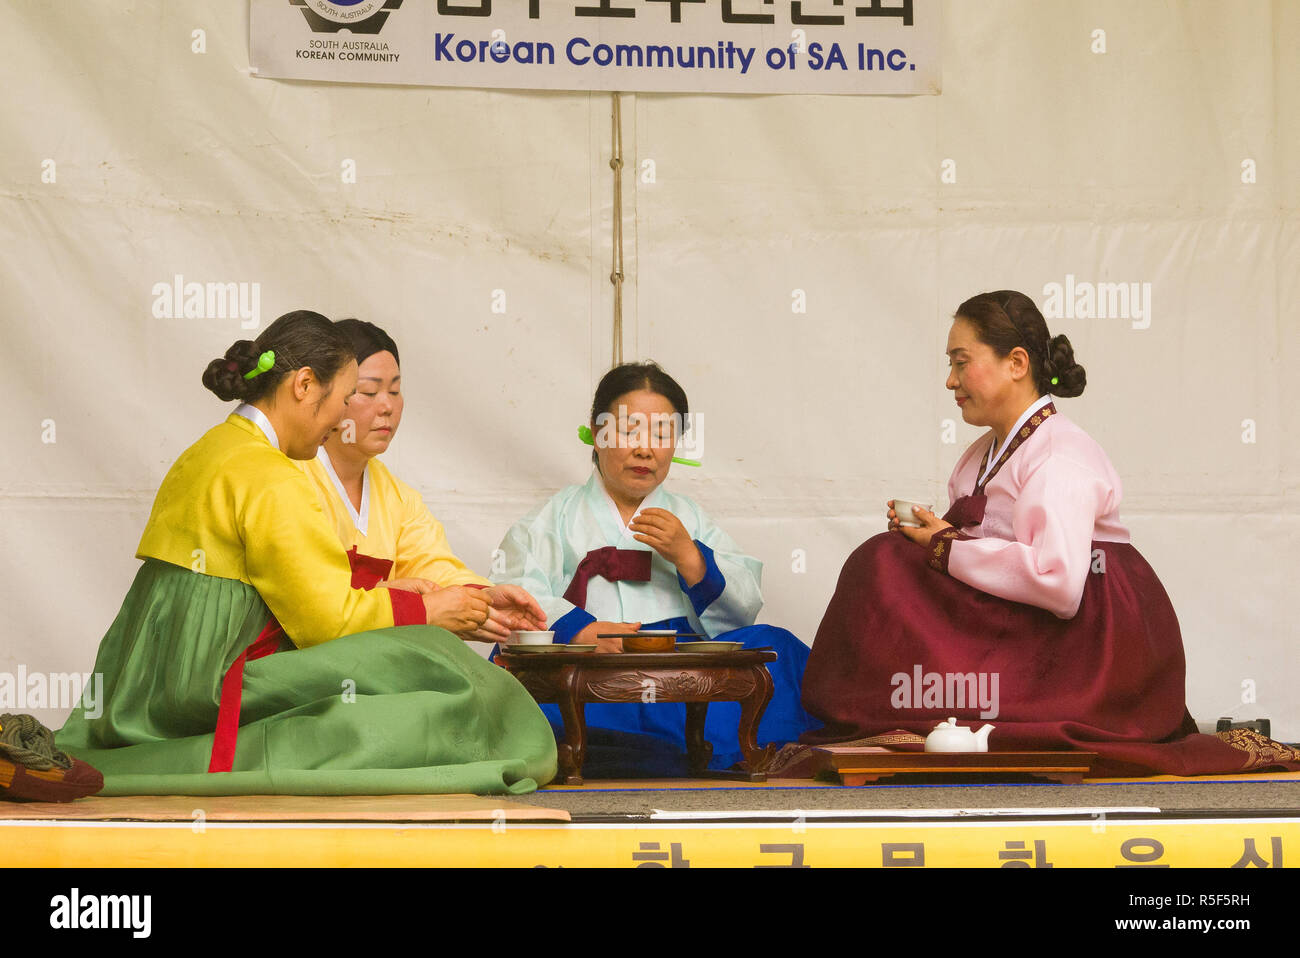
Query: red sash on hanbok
[[367, 572], [232, 691], [614, 565]]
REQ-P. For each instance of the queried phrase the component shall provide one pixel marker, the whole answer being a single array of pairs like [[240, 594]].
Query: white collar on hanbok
[[258, 418], [994, 454], [653, 500], [359, 519]]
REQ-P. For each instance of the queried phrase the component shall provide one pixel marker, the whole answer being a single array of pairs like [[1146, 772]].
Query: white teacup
[[903, 509], [531, 638]]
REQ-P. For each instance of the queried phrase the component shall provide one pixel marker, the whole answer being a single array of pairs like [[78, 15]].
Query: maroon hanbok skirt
[[1110, 680]]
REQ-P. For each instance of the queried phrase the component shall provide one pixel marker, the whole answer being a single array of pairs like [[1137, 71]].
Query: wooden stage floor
[[1204, 821]]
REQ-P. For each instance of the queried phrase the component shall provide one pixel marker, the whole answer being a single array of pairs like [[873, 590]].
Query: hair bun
[[225, 376], [1070, 377]]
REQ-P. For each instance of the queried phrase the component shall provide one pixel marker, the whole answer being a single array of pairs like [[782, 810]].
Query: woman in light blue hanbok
[[621, 553]]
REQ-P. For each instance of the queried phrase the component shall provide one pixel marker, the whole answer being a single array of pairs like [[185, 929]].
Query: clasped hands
[[483, 615]]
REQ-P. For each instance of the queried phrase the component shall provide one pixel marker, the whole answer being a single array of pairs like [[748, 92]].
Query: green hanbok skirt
[[403, 710]]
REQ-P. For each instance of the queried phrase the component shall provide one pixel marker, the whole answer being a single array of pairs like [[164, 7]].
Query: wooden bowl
[[649, 643]]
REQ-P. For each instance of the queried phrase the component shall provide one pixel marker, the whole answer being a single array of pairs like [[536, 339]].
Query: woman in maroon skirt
[[1025, 605]]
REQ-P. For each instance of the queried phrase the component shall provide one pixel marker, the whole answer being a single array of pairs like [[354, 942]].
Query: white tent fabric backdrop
[[477, 232]]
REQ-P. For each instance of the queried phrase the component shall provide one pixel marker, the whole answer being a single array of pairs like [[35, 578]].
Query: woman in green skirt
[[244, 662]]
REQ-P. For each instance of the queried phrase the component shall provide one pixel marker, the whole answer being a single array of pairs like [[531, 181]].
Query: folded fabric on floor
[[33, 769]]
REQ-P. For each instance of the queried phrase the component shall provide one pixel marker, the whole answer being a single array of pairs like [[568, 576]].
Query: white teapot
[[950, 737]]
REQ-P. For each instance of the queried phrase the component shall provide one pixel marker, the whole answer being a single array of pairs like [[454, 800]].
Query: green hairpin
[[264, 362], [1055, 381], [584, 433]]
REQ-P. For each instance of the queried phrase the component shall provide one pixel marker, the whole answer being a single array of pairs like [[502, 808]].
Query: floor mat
[[285, 808]]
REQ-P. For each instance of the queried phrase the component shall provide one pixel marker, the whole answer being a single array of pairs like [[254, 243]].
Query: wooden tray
[[857, 765]]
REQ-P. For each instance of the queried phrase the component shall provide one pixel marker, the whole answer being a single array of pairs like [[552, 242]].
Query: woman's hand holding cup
[[927, 524]]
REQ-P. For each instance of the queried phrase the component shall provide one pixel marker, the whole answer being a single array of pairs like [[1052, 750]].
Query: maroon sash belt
[[967, 510], [611, 564], [367, 571]]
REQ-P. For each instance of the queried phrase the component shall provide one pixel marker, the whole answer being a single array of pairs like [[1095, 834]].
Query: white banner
[[677, 46]]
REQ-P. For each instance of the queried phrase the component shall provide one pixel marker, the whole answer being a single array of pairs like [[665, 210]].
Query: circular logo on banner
[[345, 11]]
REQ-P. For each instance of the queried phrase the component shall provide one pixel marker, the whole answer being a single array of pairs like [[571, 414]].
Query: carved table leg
[[698, 748], [751, 710], [573, 750]]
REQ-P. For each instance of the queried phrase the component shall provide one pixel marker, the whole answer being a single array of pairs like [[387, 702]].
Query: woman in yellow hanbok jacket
[[382, 522], [243, 660]]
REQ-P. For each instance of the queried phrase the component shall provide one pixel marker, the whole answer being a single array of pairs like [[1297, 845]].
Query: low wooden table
[[572, 679], [858, 765]]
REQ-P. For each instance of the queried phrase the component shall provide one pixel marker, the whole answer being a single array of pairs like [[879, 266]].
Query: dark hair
[[300, 338], [1006, 319], [630, 377], [367, 339]]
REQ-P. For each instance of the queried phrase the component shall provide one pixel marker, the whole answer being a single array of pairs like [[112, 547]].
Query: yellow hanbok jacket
[[235, 507], [393, 525]]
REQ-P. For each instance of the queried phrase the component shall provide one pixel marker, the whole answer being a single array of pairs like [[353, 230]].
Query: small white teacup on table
[[903, 509], [531, 638]]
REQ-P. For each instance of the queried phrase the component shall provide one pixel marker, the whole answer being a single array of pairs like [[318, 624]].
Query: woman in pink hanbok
[[1027, 587]]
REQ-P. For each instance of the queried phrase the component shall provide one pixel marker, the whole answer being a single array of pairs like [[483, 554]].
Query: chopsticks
[[633, 635]]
